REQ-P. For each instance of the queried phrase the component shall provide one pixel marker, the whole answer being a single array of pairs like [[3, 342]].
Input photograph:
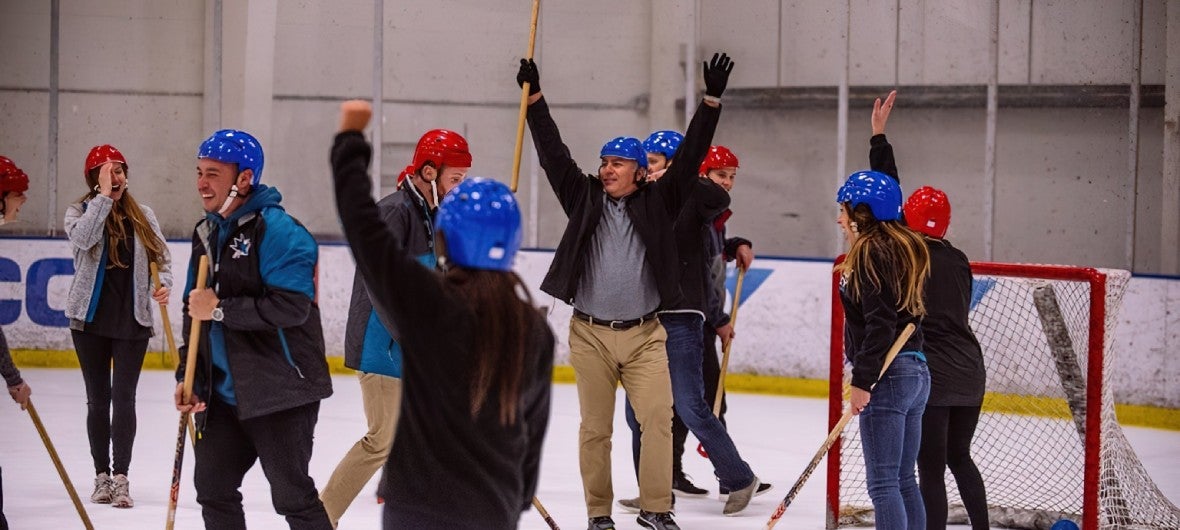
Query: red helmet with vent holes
[[11, 177], [101, 154], [718, 157], [928, 211]]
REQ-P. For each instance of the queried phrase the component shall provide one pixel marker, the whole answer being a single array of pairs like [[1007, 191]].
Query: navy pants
[[281, 442]]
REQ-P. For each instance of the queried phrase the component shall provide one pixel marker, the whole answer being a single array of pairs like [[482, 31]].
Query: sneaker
[[632, 505], [738, 500], [684, 486], [601, 523], [657, 520], [102, 489], [723, 494], [121, 492]]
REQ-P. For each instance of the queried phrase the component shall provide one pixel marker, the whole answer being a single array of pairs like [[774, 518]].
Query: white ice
[[776, 435]]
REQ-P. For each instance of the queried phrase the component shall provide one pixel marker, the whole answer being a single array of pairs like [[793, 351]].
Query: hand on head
[[881, 112], [355, 115], [105, 178]]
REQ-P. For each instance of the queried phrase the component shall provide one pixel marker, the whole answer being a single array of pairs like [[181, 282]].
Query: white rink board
[[783, 324]]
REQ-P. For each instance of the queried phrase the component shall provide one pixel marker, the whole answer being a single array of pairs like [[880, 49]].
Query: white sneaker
[[121, 492], [102, 489]]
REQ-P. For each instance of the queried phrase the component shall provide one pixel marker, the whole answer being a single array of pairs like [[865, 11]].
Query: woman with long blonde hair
[[114, 238], [883, 276]]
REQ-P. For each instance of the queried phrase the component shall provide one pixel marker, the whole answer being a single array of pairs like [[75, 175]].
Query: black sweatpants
[[110, 369], [281, 442], [946, 442]]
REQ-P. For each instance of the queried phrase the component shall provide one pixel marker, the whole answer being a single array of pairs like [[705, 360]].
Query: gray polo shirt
[[618, 283]]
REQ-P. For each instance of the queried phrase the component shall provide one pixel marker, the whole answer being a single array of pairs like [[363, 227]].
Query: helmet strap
[[434, 190], [229, 199]]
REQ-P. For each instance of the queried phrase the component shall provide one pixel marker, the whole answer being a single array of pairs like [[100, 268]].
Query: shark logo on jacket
[[240, 246]]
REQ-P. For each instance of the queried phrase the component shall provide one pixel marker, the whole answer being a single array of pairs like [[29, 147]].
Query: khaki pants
[[382, 397], [601, 358]]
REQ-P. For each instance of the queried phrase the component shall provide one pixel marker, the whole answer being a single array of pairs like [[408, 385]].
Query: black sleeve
[[710, 198], [396, 281], [7, 369], [569, 182], [881, 156], [732, 244], [684, 169], [536, 413]]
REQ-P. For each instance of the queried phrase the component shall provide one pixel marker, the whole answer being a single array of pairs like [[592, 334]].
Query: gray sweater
[[84, 227]]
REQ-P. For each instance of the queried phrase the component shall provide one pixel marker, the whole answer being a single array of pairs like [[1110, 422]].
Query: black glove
[[528, 74], [716, 74]]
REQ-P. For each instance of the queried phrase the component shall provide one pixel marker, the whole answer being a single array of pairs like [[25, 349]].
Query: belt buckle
[[612, 325]]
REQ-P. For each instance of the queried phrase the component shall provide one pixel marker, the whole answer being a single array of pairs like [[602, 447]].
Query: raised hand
[[105, 179], [355, 114], [528, 74], [717, 74], [881, 112]]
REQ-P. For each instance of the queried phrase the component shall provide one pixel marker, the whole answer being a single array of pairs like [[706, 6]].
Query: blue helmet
[[234, 147], [878, 190], [626, 147], [663, 142], [480, 220]]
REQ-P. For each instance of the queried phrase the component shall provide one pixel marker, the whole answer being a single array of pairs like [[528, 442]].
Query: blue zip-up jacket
[[267, 355], [370, 337]]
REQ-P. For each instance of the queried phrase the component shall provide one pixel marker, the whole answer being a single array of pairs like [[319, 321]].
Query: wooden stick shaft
[[835, 433], [173, 353], [545, 514], [61, 470], [190, 369], [737, 299], [524, 100]]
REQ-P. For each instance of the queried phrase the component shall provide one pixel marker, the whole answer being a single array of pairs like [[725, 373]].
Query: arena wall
[[783, 326]]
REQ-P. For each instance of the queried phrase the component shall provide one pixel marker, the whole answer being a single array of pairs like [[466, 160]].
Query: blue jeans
[[891, 433], [685, 345]]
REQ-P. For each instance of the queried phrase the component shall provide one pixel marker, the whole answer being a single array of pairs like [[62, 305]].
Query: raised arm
[[677, 183], [395, 279], [880, 152], [569, 182]]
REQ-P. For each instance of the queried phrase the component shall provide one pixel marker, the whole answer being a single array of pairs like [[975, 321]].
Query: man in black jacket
[[262, 371], [617, 265]]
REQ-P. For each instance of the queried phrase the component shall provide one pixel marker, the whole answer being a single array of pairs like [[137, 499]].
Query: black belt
[[617, 325]]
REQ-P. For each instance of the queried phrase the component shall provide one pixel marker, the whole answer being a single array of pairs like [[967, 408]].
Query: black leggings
[[946, 442], [106, 387]]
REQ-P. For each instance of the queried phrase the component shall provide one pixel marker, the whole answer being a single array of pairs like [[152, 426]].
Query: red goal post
[[1099, 482]]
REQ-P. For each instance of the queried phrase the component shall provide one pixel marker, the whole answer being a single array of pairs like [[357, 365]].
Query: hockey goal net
[[1048, 443]]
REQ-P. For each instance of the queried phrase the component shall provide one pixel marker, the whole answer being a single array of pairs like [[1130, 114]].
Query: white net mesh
[[1030, 444]]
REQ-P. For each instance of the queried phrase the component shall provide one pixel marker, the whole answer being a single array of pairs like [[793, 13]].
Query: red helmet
[[928, 211], [440, 147], [718, 156], [11, 177], [101, 154]]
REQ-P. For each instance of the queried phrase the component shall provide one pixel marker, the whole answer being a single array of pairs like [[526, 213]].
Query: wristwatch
[[218, 314]]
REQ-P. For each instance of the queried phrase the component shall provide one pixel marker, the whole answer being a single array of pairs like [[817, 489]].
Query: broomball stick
[[61, 470], [190, 370], [524, 100]]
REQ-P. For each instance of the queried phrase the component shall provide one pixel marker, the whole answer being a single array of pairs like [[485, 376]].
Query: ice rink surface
[[776, 435]]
